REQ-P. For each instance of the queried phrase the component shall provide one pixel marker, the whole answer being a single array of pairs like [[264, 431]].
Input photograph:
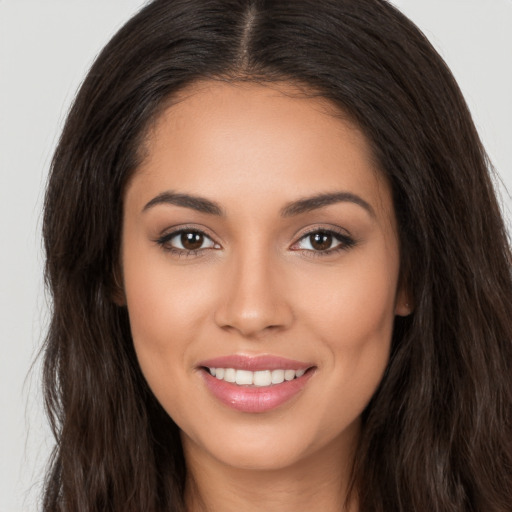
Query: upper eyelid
[[174, 234], [343, 236], [324, 229], [164, 241], [171, 232]]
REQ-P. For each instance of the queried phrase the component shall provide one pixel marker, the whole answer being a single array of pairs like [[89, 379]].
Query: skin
[[257, 286]]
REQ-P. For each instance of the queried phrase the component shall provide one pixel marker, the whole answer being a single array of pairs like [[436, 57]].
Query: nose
[[254, 301]]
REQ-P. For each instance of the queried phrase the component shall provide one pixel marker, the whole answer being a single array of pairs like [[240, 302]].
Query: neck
[[317, 482]]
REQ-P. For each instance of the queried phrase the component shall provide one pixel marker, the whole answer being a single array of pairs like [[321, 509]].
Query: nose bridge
[[253, 300]]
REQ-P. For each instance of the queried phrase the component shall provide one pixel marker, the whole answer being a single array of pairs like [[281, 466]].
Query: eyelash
[[345, 242], [164, 242]]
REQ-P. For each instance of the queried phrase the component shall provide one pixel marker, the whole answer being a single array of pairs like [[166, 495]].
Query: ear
[[117, 294], [404, 305]]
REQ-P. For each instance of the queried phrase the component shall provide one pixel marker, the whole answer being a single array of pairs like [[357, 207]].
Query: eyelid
[[324, 228], [168, 234], [346, 241], [181, 228], [342, 235], [178, 234]]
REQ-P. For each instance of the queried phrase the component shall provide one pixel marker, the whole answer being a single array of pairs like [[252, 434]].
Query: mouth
[[260, 378], [255, 384]]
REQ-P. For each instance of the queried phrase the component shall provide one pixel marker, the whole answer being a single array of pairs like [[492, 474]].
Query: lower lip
[[255, 399]]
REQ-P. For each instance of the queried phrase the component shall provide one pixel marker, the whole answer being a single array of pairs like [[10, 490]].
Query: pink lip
[[255, 363], [252, 399]]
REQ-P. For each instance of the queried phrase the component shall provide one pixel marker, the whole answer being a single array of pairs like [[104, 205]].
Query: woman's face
[[260, 240]]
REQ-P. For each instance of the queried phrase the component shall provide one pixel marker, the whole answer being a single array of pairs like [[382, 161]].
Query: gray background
[[46, 47]]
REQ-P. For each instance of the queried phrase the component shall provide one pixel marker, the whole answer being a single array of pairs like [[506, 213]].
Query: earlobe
[[403, 309], [404, 306]]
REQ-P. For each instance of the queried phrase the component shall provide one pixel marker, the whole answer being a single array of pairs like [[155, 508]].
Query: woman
[[280, 275]]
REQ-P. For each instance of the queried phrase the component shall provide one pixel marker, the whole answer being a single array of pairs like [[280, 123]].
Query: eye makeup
[[190, 242]]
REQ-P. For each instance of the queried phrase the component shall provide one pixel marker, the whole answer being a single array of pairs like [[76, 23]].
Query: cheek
[[165, 320], [166, 310], [354, 303], [162, 297], [352, 316]]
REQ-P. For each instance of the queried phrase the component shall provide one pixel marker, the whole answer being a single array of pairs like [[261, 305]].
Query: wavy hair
[[437, 435]]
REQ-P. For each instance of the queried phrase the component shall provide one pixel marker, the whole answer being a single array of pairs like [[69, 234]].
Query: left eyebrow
[[309, 204]]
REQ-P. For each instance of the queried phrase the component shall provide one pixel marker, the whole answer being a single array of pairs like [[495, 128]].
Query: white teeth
[[243, 377], [277, 376], [230, 375], [260, 378], [289, 374]]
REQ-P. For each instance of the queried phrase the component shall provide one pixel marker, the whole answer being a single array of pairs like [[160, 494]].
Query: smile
[[255, 384], [261, 378]]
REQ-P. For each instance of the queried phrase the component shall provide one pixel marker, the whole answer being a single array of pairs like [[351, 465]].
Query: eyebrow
[[199, 204], [293, 208], [309, 204]]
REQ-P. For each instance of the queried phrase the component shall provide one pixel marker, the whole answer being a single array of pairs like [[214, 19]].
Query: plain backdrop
[[46, 46]]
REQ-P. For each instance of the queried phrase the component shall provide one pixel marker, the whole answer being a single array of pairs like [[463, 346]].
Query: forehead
[[213, 112], [232, 139]]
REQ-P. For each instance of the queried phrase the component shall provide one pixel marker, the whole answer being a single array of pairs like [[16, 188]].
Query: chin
[[271, 446], [259, 456]]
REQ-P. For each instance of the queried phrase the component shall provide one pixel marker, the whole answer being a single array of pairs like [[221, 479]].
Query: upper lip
[[254, 363]]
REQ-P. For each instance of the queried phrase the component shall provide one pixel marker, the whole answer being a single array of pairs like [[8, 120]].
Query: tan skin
[[259, 277]]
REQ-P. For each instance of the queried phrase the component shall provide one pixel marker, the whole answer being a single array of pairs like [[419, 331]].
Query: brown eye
[[321, 241], [184, 241], [191, 240], [324, 242]]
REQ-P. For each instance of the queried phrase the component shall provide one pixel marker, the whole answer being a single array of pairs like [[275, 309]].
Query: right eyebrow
[[197, 203]]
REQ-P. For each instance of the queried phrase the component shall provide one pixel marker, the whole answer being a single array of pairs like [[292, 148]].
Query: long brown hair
[[437, 435]]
